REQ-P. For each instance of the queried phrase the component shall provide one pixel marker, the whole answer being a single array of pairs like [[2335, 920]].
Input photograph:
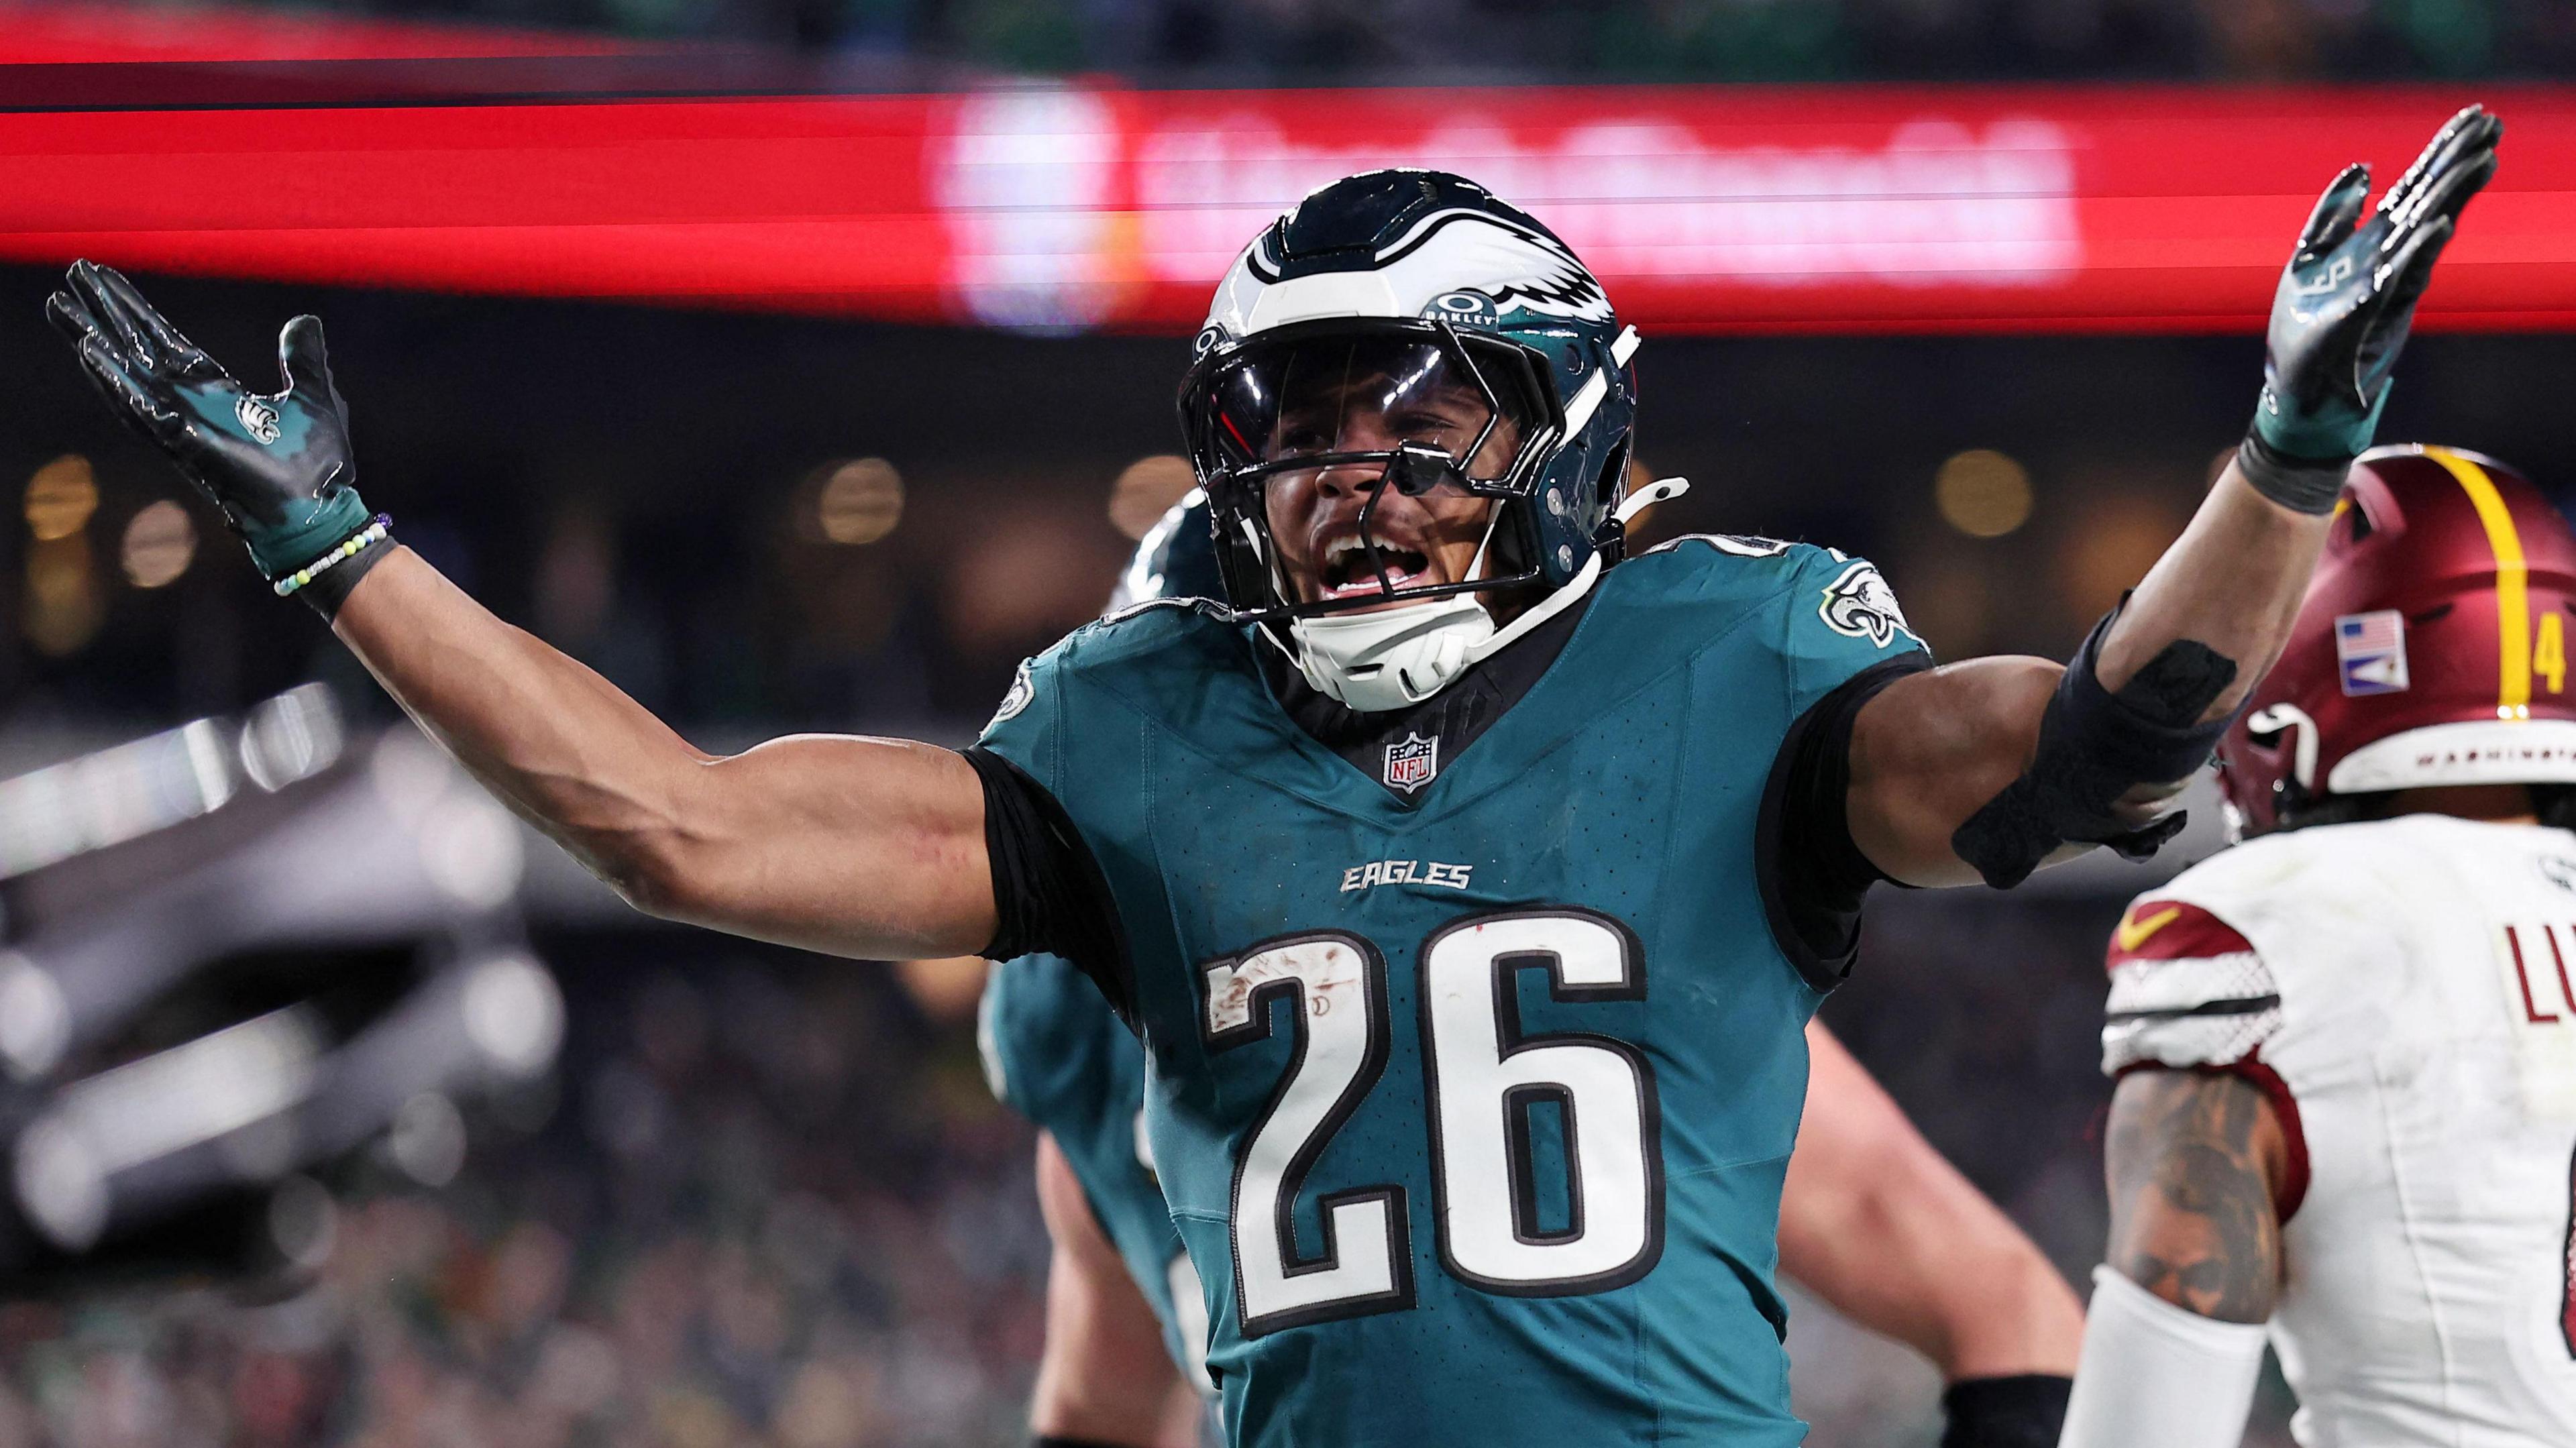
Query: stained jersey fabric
[[2401, 988], [1055, 1053], [1474, 1112]]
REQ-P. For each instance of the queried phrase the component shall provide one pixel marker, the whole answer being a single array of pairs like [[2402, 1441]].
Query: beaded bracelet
[[350, 547]]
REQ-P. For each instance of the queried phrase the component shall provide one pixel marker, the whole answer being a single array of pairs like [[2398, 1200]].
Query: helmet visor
[[1428, 413]]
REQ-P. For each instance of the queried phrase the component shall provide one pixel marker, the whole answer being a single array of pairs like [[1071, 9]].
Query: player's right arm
[[854, 846], [1104, 1378], [2204, 1152], [2197, 1162], [2198, 1165], [862, 847]]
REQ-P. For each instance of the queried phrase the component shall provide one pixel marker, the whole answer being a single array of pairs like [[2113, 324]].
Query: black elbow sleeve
[[2094, 747]]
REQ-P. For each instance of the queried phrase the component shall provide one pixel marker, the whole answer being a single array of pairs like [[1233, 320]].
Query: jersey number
[[1486, 1081]]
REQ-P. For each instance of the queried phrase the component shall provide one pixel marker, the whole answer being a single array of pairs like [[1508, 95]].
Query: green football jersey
[[1473, 1113], [1057, 1054]]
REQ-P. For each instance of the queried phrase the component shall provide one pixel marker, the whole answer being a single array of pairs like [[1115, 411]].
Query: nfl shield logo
[[2371, 650], [1411, 763]]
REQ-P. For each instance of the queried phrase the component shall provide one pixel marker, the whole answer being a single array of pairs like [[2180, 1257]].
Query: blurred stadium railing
[[233, 955]]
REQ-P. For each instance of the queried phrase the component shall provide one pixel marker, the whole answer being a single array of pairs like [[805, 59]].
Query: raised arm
[[1990, 768], [863, 847], [854, 846]]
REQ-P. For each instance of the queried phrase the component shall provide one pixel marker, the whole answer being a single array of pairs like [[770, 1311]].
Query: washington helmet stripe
[[2513, 581]]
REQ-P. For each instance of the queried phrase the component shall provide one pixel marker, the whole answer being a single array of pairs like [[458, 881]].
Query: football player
[[1871, 1218], [2346, 1047], [1469, 882]]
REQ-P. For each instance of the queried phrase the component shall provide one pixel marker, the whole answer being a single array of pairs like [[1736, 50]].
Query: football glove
[[277, 464], [2342, 311]]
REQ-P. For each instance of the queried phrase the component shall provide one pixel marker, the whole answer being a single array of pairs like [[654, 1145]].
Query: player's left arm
[[1990, 768], [1879, 1225], [2199, 1164]]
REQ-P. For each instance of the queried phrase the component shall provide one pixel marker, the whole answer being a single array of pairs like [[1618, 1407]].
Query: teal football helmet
[[1379, 289]]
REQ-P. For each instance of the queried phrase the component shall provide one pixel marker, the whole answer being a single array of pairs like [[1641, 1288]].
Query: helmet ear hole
[[1611, 540], [1612, 485]]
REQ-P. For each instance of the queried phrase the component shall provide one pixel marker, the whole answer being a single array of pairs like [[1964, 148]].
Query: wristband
[[2024, 1411], [325, 582], [2302, 485], [347, 548]]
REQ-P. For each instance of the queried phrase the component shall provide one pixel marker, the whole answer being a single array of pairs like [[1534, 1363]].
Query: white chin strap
[[1395, 658]]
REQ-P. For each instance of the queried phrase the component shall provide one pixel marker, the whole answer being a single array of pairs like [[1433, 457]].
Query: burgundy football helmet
[[2431, 650]]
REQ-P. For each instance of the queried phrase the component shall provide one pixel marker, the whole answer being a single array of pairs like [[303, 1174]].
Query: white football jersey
[[2406, 991]]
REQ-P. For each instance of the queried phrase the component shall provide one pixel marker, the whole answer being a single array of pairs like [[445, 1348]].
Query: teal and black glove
[[2342, 312], [277, 464]]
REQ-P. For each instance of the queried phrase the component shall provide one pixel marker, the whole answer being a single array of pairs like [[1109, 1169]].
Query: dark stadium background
[[763, 1198]]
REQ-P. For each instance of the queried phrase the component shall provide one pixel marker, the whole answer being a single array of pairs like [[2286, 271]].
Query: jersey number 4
[[1485, 1078]]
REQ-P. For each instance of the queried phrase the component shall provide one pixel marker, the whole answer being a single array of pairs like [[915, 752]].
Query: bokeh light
[[1982, 493], [1147, 490], [61, 497], [159, 545], [861, 501]]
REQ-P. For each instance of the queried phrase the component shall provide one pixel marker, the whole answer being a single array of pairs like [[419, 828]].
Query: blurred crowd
[[766, 1203], [1214, 42]]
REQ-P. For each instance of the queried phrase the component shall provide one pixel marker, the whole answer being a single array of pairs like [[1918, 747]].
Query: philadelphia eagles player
[[1872, 1219], [1469, 882]]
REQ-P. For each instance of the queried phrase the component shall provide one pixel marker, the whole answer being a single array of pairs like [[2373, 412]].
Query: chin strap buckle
[[1611, 543], [1662, 490]]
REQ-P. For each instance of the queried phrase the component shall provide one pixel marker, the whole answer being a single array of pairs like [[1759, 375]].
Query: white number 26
[[1483, 1076]]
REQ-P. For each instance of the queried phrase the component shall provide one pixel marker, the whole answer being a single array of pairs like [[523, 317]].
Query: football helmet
[[1175, 559], [2431, 649], [1383, 294]]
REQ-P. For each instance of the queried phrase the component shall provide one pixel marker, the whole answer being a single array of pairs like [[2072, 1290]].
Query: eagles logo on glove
[[278, 464], [2343, 309]]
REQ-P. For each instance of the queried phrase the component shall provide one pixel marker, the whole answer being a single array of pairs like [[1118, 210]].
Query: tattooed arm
[[2173, 1342], [2196, 1161]]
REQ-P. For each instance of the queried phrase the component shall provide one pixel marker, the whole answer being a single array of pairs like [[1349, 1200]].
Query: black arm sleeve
[[1812, 875], [1048, 892]]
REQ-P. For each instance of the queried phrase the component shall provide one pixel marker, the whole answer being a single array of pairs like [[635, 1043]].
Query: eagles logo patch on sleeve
[[1859, 604], [1023, 689]]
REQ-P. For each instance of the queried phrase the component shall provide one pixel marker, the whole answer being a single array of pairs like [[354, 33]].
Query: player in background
[[1872, 1219], [2346, 1048], [1470, 880]]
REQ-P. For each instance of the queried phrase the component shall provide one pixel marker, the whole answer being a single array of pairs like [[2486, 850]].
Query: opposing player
[[1871, 1218], [1470, 882], [2347, 1046]]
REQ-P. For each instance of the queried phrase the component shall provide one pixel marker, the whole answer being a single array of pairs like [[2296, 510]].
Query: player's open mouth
[[1348, 574]]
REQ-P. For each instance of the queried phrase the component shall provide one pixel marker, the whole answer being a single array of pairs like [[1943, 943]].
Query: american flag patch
[[2371, 648]]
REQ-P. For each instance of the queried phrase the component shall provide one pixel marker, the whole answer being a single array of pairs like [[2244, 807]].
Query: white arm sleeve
[[2153, 1375]]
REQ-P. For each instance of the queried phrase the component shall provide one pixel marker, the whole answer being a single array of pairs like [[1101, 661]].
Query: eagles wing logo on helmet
[[1859, 604], [1443, 257]]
